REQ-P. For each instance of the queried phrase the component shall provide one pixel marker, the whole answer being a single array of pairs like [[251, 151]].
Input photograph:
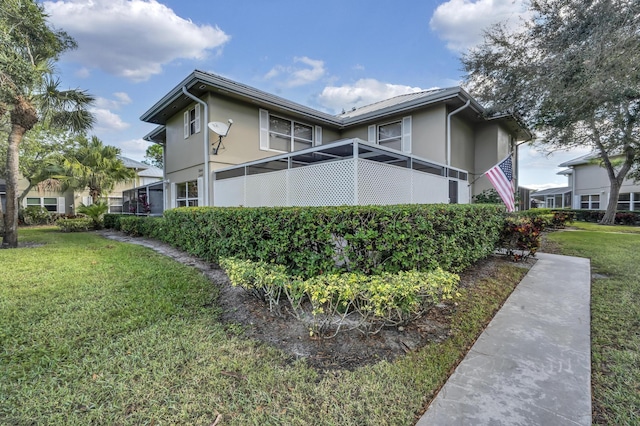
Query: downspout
[[206, 142], [449, 129]]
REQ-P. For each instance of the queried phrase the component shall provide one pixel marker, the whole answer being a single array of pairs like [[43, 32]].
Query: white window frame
[[629, 201], [59, 203], [266, 132], [188, 200], [115, 202], [591, 200], [191, 124], [373, 134]]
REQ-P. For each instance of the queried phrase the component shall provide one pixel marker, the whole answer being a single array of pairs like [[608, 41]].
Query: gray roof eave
[[152, 136], [263, 98], [252, 94]]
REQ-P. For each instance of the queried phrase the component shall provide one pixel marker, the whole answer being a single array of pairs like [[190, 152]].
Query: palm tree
[[29, 91], [93, 166]]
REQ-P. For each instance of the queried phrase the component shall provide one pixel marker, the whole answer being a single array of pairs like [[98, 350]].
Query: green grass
[[590, 226], [615, 316], [98, 332]]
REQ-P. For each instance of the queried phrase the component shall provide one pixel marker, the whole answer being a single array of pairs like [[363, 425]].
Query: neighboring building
[[588, 188], [553, 198], [426, 147], [68, 201]]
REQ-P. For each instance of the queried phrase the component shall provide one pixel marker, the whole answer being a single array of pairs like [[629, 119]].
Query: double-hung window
[[395, 135], [187, 194], [390, 135], [286, 135], [192, 121]]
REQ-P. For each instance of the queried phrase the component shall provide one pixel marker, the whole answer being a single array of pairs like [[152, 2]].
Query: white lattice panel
[[334, 183], [229, 192], [328, 184], [382, 184], [267, 189], [429, 189]]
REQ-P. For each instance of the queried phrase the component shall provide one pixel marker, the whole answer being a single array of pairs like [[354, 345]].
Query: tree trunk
[[609, 217], [10, 239]]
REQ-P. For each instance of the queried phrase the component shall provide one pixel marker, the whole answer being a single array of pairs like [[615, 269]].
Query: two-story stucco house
[[426, 147], [590, 186]]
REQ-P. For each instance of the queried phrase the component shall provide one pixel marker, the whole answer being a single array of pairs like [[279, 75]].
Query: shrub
[[626, 218], [36, 215], [75, 225], [488, 196], [363, 302], [112, 221], [310, 241], [142, 226], [520, 236], [95, 211], [562, 217]]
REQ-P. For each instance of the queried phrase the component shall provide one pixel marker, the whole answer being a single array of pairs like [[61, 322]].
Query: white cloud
[[131, 38], [461, 22], [107, 121], [538, 168], [362, 92], [120, 100], [296, 76], [83, 73], [133, 148]]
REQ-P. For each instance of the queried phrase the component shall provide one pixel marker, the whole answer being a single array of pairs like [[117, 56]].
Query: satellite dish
[[221, 130]]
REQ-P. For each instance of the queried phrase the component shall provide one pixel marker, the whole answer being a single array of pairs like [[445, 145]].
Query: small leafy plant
[[520, 236], [362, 302], [95, 211]]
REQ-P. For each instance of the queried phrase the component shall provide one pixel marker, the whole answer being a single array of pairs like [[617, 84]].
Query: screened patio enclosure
[[144, 200], [346, 172]]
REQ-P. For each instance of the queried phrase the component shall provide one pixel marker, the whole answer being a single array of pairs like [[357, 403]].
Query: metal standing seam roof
[[132, 164], [152, 171], [391, 102], [552, 191]]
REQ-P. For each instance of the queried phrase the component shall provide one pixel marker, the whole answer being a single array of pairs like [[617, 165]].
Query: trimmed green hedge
[[138, 226], [80, 224], [310, 241], [112, 220]]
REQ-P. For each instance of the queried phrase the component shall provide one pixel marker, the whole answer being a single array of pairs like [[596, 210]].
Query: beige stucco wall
[[591, 179], [462, 144], [184, 157], [429, 133]]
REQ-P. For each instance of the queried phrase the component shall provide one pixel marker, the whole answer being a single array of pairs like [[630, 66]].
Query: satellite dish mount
[[222, 130]]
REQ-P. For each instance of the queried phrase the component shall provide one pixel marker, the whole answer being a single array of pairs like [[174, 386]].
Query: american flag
[[501, 177]]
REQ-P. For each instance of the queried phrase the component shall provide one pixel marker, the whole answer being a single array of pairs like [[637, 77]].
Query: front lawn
[[615, 316], [98, 332]]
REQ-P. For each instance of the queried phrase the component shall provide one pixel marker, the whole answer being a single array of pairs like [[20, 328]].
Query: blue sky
[[327, 54]]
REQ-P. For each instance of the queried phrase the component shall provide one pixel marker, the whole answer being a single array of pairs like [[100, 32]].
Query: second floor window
[[288, 135], [390, 135], [192, 121]]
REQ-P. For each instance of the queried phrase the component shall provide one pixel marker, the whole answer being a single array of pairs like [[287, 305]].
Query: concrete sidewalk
[[532, 364]]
